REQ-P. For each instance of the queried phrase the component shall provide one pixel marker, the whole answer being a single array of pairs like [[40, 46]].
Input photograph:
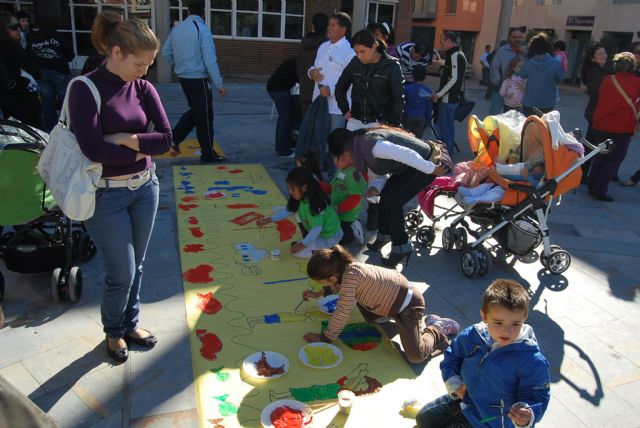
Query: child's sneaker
[[358, 233], [447, 326]]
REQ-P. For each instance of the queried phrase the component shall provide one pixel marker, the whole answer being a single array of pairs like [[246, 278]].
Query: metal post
[[162, 18]]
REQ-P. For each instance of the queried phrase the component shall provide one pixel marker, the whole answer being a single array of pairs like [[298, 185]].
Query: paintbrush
[[493, 418], [299, 304]]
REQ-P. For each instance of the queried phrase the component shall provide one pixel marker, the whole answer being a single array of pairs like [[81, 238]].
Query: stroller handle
[[602, 147]]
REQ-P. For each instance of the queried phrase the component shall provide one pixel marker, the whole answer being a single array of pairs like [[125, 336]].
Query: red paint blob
[[286, 417], [286, 229], [192, 220], [187, 207], [208, 304], [215, 195], [210, 344], [190, 199], [240, 206], [199, 274], [222, 167], [196, 232], [193, 248], [247, 218], [236, 171]]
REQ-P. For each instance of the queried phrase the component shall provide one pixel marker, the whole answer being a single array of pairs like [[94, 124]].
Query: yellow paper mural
[[241, 302]]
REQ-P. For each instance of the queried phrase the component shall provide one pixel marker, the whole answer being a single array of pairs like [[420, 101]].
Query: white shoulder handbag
[[69, 174]]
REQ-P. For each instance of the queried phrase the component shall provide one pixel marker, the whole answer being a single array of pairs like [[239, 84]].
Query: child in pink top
[[512, 89]]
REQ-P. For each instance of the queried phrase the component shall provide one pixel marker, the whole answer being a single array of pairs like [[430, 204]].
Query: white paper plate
[[265, 415], [273, 358], [322, 303], [304, 358]]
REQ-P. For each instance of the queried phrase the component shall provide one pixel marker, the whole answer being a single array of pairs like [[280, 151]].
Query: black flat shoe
[[604, 198], [119, 355], [377, 245], [395, 258], [628, 183], [146, 342]]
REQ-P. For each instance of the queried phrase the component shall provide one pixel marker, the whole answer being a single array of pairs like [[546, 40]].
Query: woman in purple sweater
[[119, 137]]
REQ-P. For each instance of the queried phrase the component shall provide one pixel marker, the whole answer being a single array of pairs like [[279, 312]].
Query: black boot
[[372, 217], [395, 258]]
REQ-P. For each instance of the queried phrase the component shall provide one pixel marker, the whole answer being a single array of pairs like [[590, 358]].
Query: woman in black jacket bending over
[[375, 78]]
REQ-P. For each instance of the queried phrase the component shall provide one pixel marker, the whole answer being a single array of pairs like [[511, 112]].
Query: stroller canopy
[[22, 192]]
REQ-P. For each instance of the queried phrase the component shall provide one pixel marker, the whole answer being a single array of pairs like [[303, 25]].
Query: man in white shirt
[[332, 58]]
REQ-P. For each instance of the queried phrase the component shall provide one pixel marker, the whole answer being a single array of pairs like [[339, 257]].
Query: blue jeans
[[53, 85], [497, 102], [282, 100], [443, 412], [121, 228], [446, 129]]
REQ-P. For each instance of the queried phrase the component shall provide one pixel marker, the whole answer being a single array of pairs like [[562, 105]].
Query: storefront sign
[[581, 21]]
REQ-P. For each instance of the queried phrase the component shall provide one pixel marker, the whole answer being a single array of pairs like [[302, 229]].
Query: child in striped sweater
[[377, 292]]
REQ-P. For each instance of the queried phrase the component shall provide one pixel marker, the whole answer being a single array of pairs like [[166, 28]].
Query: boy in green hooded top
[[347, 188]]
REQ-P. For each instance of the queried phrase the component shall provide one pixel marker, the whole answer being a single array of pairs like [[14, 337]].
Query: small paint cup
[[275, 254], [345, 401]]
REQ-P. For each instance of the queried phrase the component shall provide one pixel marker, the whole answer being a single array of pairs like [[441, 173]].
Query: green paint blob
[[222, 377], [222, 398], [315, 392], [227, 409]]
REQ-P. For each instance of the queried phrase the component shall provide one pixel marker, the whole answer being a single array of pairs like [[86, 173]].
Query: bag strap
[[64, 114], [624, 95]]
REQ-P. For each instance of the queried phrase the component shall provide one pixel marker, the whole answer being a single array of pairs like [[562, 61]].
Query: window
[[450, 7], [260, 19], [380, 12], [427, 9]]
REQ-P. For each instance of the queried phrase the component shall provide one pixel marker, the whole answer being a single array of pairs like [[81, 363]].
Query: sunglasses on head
[[14, 27]]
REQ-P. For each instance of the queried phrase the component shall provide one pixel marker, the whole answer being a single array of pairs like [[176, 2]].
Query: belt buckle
[[135, 181]]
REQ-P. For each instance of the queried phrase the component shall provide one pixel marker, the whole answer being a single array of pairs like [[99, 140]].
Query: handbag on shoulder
[[69, 174]]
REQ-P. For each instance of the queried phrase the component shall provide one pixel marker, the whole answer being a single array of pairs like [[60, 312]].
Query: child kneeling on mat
[[313, 207], [377, 292]]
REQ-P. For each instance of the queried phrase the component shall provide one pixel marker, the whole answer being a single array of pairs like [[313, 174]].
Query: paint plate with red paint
[[286, 414]]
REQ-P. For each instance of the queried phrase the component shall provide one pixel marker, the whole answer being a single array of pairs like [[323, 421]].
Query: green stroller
[[35, 236]]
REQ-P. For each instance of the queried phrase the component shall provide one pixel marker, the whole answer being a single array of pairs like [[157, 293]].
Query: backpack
[[69, 174]]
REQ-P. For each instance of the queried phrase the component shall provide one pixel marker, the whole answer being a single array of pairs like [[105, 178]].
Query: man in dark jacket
[[307, 55], [279, 88], [451, 88], [52, 53]]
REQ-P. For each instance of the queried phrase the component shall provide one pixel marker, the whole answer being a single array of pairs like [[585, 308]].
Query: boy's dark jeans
[[347, 231], [443, 412]]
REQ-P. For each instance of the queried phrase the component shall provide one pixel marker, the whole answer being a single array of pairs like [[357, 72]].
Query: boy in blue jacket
[[418, 107], [494, 371]]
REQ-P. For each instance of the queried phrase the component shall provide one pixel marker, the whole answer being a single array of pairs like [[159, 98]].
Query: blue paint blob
[[221, 182], [272, 319], [330, 306], [184, 168], [258, 192], [235, 195]]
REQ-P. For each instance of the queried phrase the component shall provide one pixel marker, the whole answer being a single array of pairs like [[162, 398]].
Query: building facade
[[577, 22], [252, 36]]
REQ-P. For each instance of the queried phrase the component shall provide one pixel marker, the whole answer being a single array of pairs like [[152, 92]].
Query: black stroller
[[36, 236]]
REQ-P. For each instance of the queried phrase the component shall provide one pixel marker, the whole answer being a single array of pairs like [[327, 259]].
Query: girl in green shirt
[[313, 207]]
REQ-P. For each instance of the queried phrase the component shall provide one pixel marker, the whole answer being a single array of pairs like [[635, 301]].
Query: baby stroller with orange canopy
[[36, 236], [518, 221]]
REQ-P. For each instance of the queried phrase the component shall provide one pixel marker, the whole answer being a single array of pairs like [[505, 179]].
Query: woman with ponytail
[[378, 293], [129, 127], [375, 79]]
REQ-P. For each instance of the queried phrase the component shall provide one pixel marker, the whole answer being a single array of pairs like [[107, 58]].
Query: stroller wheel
[[448, 238], [426, 235], [470, 263], [484, 261], [57, 285], [559, 261], [413, 219], [75, 284], [461, 238]]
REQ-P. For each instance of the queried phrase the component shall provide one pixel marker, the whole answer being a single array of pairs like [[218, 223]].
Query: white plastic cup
[[275, 254], [345, 401]]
